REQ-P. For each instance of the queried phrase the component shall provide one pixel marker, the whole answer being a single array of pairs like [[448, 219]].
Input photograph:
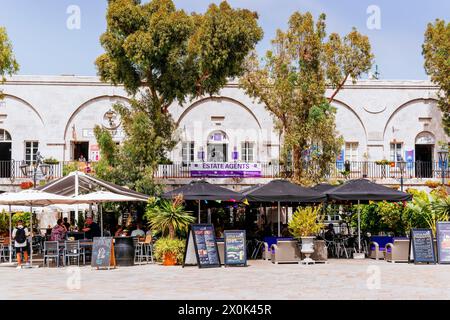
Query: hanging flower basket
[[26, 185]]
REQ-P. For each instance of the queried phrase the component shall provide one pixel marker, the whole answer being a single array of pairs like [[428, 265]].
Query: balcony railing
[[358, 169]]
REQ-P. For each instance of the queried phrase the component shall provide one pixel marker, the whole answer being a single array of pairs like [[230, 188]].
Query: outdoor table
[[124, 251]]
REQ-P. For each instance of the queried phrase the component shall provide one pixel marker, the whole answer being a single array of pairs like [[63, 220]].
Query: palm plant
[[168, 216]]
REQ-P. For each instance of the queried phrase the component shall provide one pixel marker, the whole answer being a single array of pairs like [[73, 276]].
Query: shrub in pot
[[169, 251], [170, 218], [305, 224]]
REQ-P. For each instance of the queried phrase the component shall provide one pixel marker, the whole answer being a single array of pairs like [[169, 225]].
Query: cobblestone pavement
[[339, 279]]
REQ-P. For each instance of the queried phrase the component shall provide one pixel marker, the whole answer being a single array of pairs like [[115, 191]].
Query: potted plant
[[170, 218], [170, 251], [305, 224], [50, 161]]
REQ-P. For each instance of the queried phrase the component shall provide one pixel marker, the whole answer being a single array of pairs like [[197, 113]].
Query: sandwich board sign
[[201, 247], [103, 253], [421, 249], [443, 241], [235, 248]]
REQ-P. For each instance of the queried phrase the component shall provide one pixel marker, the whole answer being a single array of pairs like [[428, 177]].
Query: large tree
[[8, 63], [163, 55], [291, 81], [436, 51]]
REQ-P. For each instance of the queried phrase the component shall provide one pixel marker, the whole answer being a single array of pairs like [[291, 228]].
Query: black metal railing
[[357, 169]]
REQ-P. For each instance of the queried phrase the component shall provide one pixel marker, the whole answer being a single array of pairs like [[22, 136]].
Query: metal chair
[[51, 251], [72, 250], [138, 250], [148, 248]]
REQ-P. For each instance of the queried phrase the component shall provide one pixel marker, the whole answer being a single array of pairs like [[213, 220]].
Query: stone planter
[[307, 249]]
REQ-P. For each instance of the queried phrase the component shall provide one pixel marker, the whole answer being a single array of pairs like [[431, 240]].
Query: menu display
[[443, 241], [422, 246], [202, 240], [103, 252], [235, 248]]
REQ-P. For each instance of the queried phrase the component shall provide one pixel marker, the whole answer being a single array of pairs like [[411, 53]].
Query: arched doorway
[[217, 147], [5, 154], [424, 148]]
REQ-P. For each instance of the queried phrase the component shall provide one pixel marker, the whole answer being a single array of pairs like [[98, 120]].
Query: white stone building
[[378, 120]]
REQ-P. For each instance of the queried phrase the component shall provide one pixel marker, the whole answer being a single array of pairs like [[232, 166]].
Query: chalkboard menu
[[422, 247], [235, 248], [103, 253], [443, 241], [201, 247]]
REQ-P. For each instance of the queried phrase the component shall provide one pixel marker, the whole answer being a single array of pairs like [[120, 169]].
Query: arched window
[[4, 136], [217, 146]]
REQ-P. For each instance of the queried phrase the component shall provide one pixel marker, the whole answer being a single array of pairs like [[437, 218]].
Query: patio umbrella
[[31, 198], [104, 196], [323, 187], [282, 191], [363, 190], [202, 190]]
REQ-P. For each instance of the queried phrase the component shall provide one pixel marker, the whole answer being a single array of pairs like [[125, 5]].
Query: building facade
[[226, 138]]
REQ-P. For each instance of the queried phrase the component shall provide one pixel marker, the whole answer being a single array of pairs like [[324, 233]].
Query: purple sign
[[225, 169]]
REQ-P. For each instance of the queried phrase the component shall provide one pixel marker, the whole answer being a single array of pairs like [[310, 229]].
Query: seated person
[[138, 232], [120, 231], [59, 231]]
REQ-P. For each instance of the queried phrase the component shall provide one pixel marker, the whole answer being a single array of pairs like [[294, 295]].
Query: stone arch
[[349, 108], [217, 98], [85, 104], [13, 97], [402, 106]]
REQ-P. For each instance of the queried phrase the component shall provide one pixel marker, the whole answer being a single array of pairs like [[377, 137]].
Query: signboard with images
[[201, 247], [235, 248], [225, 169], [443, 241], [421, 248], [103, 253]]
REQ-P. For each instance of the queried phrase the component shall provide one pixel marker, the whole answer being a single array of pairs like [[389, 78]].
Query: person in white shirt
[[20, 235], [138, 232]]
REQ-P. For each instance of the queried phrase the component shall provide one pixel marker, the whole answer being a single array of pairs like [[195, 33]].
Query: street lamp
[[36, 166], [443, 157], [402, 165]]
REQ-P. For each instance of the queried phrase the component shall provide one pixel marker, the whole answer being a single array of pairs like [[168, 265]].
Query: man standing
[[91, 229], [20, 234], [66, 224]]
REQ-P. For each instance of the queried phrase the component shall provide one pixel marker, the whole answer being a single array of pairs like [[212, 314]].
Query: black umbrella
[[202, 190], [323, 187], [364, 190], [282, 191]]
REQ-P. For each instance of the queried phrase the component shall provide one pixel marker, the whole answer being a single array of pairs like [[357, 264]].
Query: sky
[[44, 43]]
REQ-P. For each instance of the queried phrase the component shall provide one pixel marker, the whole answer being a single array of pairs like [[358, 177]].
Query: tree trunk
[[171, 232], [297, 163]]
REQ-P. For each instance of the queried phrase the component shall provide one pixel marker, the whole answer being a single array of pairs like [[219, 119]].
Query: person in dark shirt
[[66, 224], [329, 234], [92, 229]]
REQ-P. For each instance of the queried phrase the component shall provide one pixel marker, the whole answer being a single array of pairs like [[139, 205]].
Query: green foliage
[[70, 167], [50, 160], [436, 51], [168, 216], [291, 82], [168, 245], [80, 221], [175, 56], [4, 222], [306, 221], [24, 216], [391, 214], [8, 63]]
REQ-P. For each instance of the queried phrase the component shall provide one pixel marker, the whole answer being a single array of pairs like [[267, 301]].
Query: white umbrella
[[104, 196], [31, 198]]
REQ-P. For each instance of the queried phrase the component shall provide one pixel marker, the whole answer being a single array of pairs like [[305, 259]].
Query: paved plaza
[[339, 279]]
